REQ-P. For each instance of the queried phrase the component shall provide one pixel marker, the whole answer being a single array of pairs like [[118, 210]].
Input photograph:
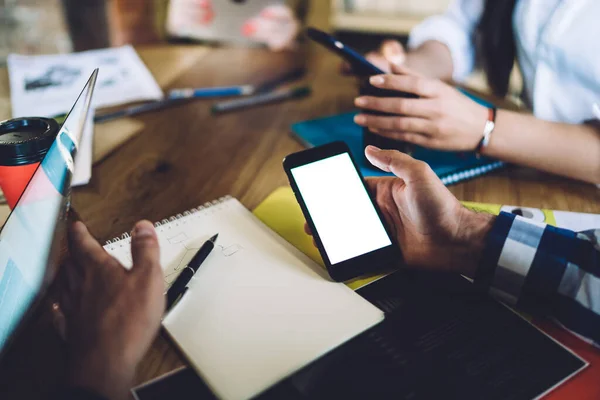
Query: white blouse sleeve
[[454, 29]]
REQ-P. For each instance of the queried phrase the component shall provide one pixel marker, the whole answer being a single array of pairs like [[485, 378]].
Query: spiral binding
[[167, 222], [470, 173]]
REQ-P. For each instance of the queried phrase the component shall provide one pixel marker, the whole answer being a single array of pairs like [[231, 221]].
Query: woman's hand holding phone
[[432, 228], [441, 118]]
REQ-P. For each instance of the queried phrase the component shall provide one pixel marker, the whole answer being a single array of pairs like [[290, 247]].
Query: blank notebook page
[[257, 310]]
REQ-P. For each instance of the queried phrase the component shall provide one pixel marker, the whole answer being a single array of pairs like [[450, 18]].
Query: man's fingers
[[72, 278], [307, 229], [84, 248], [70, 288], [375, 183], [309, 232], [144, 247], [372, 184], [400, 164], [418, 85], [59, 319]]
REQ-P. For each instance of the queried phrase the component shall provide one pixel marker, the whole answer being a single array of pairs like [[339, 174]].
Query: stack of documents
[[47, 86]]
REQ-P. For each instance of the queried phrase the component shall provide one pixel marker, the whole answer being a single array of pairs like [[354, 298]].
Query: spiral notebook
[[451, 167], [258, 309]]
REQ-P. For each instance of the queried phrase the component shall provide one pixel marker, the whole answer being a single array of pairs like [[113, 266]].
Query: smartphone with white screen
[[347, 225]]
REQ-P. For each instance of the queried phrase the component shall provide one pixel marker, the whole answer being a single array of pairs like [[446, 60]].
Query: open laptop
[[31, 236]]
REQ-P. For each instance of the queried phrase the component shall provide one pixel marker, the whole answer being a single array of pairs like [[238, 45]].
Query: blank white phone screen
[[340, 208]]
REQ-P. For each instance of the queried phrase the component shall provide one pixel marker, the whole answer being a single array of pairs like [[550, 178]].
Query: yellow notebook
[[280, 211]]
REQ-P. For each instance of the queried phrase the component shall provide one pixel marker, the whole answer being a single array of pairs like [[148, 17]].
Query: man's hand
[[432, 228], [112, 315]]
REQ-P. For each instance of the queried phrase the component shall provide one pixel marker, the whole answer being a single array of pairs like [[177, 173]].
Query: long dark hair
[[494, 41]]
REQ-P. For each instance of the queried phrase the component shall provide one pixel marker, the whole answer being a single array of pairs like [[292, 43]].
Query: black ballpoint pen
[[180, 285]]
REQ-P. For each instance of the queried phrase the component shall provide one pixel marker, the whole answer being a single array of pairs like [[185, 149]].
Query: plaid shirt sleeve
[[545, 270]]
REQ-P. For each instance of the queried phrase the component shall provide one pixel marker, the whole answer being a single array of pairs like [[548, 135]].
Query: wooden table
[[185, 157]]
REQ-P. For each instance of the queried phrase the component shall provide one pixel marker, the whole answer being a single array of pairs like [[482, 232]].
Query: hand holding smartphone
[[364, 70], [348, 227], [360, 65]]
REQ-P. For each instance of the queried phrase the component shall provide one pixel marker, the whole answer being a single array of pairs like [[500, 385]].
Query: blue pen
[[211, 92]]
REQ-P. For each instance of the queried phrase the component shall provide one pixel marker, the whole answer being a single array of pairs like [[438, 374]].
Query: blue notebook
[[451, 167]]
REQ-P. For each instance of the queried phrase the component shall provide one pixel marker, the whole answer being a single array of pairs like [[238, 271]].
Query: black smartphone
[[360, 65], [348, 227], [364, 69]]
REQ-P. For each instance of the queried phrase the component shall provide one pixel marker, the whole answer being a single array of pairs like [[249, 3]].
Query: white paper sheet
[[48, 85], [255, 296], [577, 221]]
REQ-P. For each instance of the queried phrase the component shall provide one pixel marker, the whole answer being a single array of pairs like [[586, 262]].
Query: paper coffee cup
[[23, 144]]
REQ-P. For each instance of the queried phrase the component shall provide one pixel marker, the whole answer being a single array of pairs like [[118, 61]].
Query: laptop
[[214, 20], [31, 237]]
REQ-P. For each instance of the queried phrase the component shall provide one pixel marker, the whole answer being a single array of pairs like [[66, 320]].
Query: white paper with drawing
[[257, 310], [47, 85]]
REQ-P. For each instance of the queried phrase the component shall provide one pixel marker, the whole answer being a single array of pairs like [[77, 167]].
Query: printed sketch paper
[[47, 86]]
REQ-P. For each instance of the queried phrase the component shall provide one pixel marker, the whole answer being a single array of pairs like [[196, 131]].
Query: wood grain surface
[[185, 156]]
